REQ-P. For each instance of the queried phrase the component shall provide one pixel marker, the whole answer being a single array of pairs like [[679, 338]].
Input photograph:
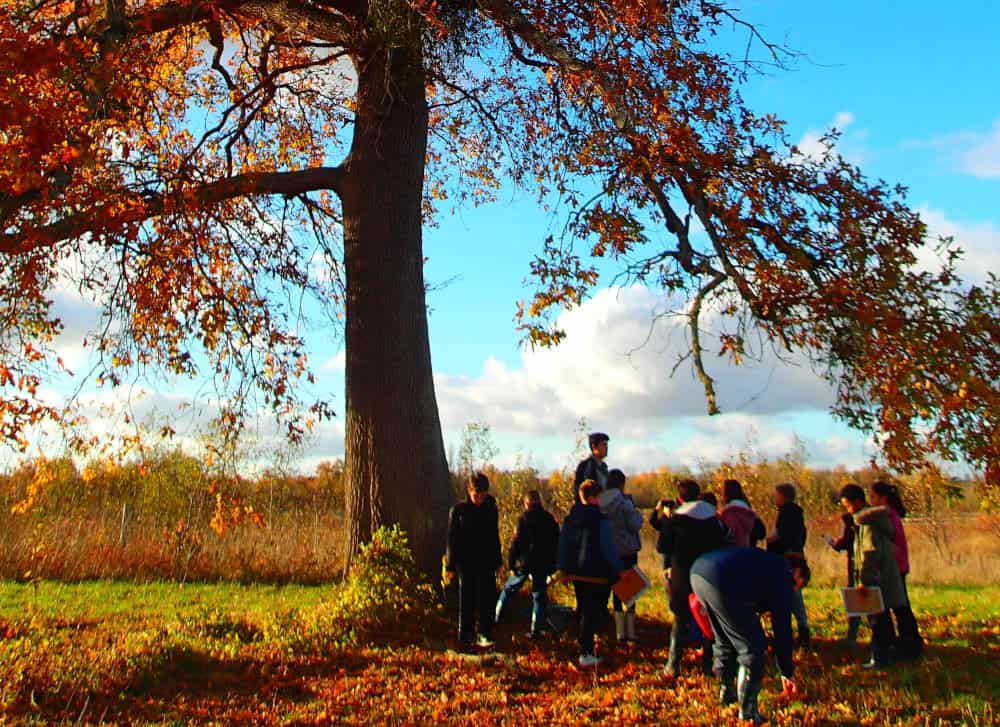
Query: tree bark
[[395, 470]]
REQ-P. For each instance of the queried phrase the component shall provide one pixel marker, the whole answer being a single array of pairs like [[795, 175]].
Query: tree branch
[[150, 206]]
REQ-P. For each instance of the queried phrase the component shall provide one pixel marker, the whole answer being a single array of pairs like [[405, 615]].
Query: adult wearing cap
[[594, 467]]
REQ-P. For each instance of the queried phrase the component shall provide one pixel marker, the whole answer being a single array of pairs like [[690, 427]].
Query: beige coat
[[875, 554]]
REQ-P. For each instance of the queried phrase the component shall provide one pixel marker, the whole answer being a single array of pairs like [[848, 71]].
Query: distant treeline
[[175, 516]]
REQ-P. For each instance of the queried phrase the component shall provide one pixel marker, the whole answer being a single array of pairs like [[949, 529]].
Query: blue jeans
[[799, 612], [539, 596]]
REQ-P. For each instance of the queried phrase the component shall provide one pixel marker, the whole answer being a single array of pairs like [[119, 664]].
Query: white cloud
[[982, 158], [980, 243], [614, 366], [336, 362], [849, 145], [976, 153], [605, 373]]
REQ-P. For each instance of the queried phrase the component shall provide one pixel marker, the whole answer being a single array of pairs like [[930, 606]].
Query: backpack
[[573, 544]]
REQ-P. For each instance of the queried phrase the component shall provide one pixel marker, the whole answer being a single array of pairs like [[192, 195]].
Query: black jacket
[[693, 529], [536, 540], [791, 527], [590, 469], [474, 537]]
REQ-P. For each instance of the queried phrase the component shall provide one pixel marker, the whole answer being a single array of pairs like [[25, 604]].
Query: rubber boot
[[747, 689], [707, 658], [630, 627], [619, 625], [727, 692]]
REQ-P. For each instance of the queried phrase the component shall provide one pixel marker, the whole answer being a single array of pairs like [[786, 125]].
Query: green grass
[[165, 653], [156, 601]]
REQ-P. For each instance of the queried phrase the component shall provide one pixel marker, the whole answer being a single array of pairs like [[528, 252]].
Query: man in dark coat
[[594, 467], [474, 555], [735, 585], [532, 555], [789, 537], [686, 532], [588, 556]]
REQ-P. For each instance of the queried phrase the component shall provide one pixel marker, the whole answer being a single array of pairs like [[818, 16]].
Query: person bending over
[[735, 585]]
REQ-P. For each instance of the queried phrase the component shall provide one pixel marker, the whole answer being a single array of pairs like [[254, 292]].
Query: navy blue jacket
[[587, 544], [743, 575]]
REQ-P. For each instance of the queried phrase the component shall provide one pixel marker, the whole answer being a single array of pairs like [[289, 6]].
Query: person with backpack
[[745, 528], [474, 556], [688, 529], [735, 585], [532, 555], [626, 522], [788, 539], [588, 557]]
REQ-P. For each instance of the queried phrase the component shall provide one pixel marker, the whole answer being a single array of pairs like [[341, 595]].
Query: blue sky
[[915, 90], [913, 87]]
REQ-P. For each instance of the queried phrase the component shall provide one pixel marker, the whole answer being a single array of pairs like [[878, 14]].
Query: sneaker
[[534, 635], [670, 671], [874, 664], [485, 642], [589, 660]]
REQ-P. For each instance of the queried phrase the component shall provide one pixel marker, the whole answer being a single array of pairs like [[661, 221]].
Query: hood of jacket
[[698, 509], [877, 518]]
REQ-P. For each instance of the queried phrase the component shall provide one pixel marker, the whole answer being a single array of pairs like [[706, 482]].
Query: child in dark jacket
[[587, 554], [789, 537], [687, 530], [532, 555], [474, 556]]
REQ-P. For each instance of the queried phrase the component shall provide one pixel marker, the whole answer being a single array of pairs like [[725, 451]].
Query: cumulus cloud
[[614, 370], [615, 362]]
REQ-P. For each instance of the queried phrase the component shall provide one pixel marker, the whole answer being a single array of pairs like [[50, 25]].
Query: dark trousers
[[883, 637], [910, 643], [477, 595], [680, 635], [591, 603], [628, 560], [739, 638]]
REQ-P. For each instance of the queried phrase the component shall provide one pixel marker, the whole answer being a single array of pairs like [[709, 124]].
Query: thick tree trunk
[[396, 471]]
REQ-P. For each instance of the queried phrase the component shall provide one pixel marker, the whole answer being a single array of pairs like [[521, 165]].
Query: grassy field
[[167, 653]]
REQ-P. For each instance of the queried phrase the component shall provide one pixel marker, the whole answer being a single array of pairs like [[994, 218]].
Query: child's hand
[[862, 591]]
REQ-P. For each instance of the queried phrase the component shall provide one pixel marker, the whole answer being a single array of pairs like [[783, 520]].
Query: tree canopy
[[198, 166]]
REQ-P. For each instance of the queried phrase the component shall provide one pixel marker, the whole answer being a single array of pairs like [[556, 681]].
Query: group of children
[[718, 582]]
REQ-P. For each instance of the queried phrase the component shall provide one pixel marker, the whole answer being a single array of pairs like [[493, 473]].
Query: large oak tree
[[197, 167]]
